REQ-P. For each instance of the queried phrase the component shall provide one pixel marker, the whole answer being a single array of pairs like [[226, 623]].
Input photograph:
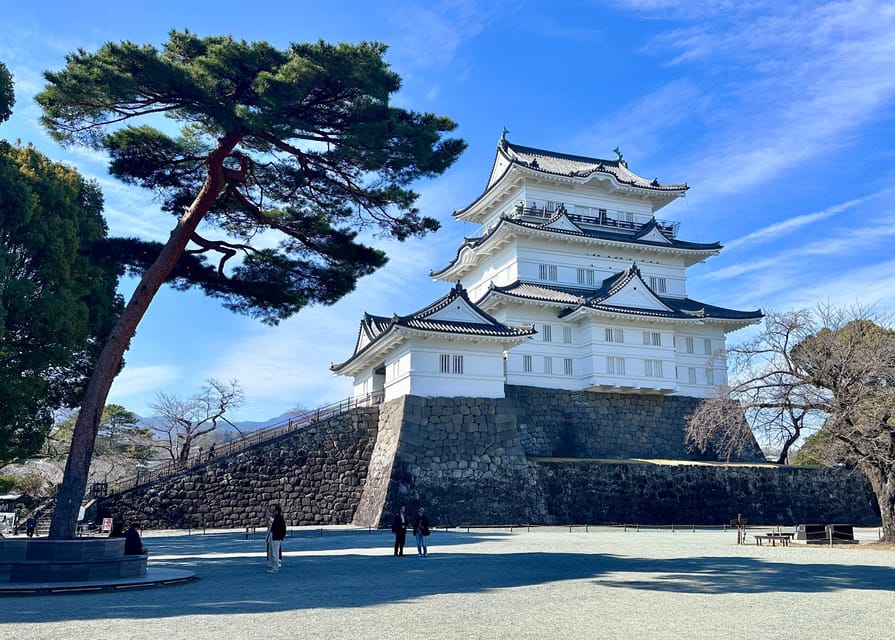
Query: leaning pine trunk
[[74, 482]]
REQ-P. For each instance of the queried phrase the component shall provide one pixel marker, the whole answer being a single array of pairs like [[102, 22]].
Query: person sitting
[[133, 545]]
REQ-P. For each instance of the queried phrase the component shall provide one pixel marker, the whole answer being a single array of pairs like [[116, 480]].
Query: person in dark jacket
[[399, 528], [421, 531], [133, 544], [276, 533]]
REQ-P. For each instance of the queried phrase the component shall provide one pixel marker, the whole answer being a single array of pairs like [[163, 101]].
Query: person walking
[[276, 533], [399, 528], [420, 532]]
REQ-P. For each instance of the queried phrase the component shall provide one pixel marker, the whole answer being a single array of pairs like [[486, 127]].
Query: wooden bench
[[773, 538]]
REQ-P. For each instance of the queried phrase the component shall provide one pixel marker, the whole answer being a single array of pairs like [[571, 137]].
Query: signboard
[[107, 525]]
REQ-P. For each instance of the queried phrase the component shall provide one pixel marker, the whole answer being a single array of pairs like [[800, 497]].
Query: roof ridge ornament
[[503, 137], [619, 157]]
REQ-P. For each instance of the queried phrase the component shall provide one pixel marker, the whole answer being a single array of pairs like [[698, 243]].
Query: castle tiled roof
[[513, 161], [468, 321], [698, 250], [565, 164], [577, 300]]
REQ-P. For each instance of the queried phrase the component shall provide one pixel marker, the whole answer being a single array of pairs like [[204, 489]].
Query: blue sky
[[779, 115]]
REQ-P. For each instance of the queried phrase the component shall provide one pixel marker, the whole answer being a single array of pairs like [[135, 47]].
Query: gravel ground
[[489, 583]]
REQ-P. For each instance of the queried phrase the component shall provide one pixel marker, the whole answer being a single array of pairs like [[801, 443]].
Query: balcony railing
[[603, 217], [295, 423]]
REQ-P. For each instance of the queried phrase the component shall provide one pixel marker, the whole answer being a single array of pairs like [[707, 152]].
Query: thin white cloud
[[638, 128], [774, 85], [428, 34], [790, 225], [137, 381]]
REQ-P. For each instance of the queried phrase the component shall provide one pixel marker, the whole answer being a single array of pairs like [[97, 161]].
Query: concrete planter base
[[42, 560]]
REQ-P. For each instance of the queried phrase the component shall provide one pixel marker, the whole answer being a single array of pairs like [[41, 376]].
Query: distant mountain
[[246, 426], [254, 426]]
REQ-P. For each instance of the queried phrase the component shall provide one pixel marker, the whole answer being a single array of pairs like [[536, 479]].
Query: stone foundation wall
[[480, 461], [582, 424], [637, 493], [461, 458], [466, 461], [317, 474]]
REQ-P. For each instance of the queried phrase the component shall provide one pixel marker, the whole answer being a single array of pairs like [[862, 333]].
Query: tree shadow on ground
[[324, 575]]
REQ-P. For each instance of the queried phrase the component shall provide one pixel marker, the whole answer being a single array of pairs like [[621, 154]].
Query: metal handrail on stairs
[[300, 421]]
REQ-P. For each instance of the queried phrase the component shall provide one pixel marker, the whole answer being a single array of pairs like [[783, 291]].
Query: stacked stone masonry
[[537, 456], [581, 424], [317, 474]]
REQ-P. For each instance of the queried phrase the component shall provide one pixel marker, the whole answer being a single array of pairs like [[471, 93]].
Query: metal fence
[[295, 423]]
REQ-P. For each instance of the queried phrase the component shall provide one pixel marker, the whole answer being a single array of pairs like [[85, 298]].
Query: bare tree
[[181, 421], [768, 389], [825, 370]]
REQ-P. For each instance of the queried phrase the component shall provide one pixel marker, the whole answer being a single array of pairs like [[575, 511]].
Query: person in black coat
[[275, 536], [421, 531], [399, 528], [133, 544]]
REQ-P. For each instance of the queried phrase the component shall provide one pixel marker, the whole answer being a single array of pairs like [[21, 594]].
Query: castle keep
[[550, 385]]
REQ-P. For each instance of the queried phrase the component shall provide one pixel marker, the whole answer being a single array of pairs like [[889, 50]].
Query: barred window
[[657, 284], [526, 364], [548, 272], [689, 345], [546, 333], [710, 376], [451, 363], [653, 338], [567, 335], [691, 375], [586, 276], [615, 366], [653, 368], [567, 366], [548, 364], [707, 346], [615, 335]]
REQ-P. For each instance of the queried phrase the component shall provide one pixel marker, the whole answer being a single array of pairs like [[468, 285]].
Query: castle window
[[707, 346], [451, 364], [567, 365], [586, 276], [710, 376], [546, 333], [689, 346], [657, 284], [615, 366], [567, 335], [653, 368], [652, 338], [526, 364], [548, 272], [615, 335], [691, 375], [548, 364]]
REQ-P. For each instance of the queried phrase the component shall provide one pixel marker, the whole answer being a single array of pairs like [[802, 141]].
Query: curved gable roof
[[511, 157], [453, 314], [607, 300], [649, 236]]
